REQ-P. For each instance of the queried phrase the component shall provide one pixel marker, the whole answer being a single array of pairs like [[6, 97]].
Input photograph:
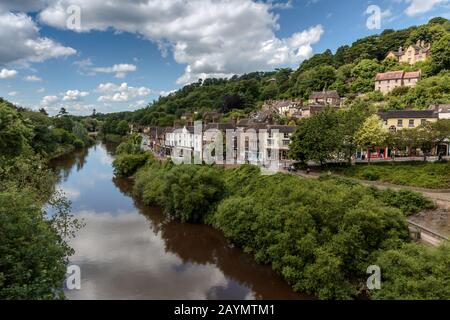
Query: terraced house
[[388, 81], [400, 119]]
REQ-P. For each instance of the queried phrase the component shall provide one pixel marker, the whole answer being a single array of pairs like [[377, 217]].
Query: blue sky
[[124, 54]]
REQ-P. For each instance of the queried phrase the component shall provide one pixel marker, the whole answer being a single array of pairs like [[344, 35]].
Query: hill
[[350, 71]]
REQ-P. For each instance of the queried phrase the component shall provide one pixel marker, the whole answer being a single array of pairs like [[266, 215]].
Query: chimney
[[400, 50], [418, 43]]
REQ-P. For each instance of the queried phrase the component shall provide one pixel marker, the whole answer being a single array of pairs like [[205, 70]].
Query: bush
[[417, 174], [371, 174], [409, 202], [78, 144], [191, 192], [125, 165], [320, 235], [32, 256], [414, 272]]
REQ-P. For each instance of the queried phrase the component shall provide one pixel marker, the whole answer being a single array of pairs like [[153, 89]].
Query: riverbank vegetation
[[33, 251], [320, 235], [417, 174]]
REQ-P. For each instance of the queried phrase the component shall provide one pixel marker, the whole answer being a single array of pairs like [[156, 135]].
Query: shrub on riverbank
[[125, 165], [188, 193], [320, 235], [414, 272], [417, 174]]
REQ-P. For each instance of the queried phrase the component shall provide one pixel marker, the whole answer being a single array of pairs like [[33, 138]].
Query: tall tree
[[371, 134], [316, 138]]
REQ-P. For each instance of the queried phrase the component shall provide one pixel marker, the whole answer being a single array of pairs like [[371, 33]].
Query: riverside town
[[225, 158]]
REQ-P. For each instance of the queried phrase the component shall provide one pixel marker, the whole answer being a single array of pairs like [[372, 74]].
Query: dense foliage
[[33, 251], [425, 175], [319, 235], [415, 273]]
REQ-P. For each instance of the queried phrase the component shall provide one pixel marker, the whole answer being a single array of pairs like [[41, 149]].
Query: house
[[443, 110], [325, 98], [420, 51], [276, 145], [284, 108], [400, 119], [310, 110], [388, 81], [213, 117]]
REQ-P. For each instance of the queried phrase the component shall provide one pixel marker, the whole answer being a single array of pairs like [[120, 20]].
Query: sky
[[120, 55]]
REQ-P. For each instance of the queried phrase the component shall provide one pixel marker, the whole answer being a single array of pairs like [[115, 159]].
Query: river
[[129, 251]]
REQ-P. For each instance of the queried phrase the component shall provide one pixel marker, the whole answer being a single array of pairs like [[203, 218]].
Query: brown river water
[[130, 251]]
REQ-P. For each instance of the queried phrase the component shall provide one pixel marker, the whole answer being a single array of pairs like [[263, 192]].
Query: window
[[411, 123], [286, 135], [400, 123]]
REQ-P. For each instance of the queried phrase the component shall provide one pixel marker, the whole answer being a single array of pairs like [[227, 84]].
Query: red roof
[[392, 75], [398, 75], [412, 75]]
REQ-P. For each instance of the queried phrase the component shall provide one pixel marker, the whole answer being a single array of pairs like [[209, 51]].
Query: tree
[[33, 257], [43, 111], [364, 74], [316, 138], [414, 272], [122, 128], [425, 139], [349, 123], [15, 135], [441, 130], [440, 54], [371, 134], [63, 112]]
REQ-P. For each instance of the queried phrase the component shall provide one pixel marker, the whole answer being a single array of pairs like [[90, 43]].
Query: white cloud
[[141, 103], [422, 6], [32, 78], [12, 93], [49, 100], [120, 93], [166, 93], [119, 69], [5, 73], [24, 43], [74, 95], [212, 38]]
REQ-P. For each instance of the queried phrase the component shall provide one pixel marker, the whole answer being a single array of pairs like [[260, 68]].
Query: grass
[[416, 174]]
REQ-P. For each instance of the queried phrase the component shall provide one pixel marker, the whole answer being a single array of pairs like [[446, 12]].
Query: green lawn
[[417, 174]]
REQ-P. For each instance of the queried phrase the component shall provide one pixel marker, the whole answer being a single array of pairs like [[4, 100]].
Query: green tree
[[14, 133], [364, 74], [440, 54], [414, 272], [371, 134], [349, 123], [122, 128], [316, 138]]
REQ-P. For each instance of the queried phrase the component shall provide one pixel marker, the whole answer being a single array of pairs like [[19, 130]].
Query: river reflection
[[129, 251]]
